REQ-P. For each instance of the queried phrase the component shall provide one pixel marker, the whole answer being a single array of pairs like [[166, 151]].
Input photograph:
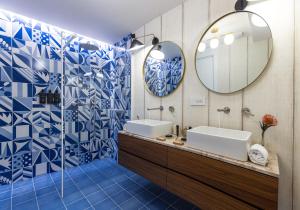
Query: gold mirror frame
[[209, 27], [183, 75]]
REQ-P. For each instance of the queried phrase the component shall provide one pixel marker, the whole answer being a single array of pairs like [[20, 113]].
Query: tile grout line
[[100, 188], [58, 192], [79, 189], [37, 203]]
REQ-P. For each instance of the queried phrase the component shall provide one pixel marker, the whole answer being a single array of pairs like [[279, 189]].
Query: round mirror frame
[[184, 68], [209, 27]]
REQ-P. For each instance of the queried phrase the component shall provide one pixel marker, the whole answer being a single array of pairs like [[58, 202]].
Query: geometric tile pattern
[[163, 76], [31, 60], [100, 185]]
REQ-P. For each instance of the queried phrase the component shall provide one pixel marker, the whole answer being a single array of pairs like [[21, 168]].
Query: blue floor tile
[[96, 197], [79, 205], [106, 204], [131, 204], [28, 205], [5, 204], [102, 184], [121, 197], [157, 204], [144, 196]]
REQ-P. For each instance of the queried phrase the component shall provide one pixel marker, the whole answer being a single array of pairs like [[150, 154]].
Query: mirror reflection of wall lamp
[[242, 4], [137, 44]]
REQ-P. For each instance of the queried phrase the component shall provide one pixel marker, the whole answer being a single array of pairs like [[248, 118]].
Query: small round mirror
[[163, 68], [233, 52]]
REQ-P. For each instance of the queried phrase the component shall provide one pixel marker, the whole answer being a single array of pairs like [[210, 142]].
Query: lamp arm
[[145, 36]]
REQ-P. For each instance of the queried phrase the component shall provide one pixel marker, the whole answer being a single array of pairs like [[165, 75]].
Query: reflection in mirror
[[164, 68], [233, 52]]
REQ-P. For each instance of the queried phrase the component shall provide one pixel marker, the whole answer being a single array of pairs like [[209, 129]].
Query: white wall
[[296, 180], [271, 93]]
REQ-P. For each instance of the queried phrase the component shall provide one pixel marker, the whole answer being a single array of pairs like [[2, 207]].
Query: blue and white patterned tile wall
[[163, 76], [30, 133]]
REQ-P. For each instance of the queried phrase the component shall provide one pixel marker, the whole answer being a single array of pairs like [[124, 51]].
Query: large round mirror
[[233, 52], [164, 68]]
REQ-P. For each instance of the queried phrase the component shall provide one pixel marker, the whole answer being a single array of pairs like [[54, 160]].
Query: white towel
[[258, 154]]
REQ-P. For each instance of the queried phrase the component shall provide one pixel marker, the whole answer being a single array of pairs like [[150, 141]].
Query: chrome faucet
[[160, 108], [247, 111], [226, 110]]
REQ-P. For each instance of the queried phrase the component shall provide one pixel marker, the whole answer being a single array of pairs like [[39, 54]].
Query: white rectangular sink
[[149, 128], [226, 142]]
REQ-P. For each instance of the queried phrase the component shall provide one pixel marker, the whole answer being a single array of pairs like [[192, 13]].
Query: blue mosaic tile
[[31, 61]]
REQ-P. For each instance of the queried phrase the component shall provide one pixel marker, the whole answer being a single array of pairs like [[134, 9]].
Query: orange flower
[[269, 120]]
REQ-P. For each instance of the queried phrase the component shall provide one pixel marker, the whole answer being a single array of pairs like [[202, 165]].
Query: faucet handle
[[226, 110], [247, 111]]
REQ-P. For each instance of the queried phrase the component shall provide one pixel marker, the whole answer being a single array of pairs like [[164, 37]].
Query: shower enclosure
[[39, 137]]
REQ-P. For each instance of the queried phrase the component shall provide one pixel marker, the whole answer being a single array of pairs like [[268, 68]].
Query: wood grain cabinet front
[[152, 152], [250, 186], [206, 182]]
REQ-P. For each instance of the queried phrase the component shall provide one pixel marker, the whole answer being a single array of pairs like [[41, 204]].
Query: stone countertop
[[271, 169]]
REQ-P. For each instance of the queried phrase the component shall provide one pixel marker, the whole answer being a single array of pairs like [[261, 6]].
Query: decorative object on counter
[[169, 136], [267, 122], [161, 138], [178, 140], [258, 154]]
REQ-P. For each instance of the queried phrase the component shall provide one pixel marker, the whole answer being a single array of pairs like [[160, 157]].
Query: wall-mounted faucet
[[247, 111], [160, 108], [226, 110]]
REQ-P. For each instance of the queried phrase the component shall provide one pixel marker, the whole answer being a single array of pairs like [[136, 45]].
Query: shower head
[[88, 74], [88, 46], [98, 75]]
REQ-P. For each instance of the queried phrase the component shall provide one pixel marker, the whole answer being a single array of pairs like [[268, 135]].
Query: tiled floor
[[101, 184]]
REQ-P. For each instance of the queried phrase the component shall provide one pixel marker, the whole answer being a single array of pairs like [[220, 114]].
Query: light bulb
[[229, 39], [157, 54], [201, 47], [258, 21], [214, 43]]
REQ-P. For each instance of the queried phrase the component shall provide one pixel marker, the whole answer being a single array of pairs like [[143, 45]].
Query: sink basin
[[226, 142], [149, 128]]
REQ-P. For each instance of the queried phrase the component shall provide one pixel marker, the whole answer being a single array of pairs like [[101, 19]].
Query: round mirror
[[233, 52], [163, 68]]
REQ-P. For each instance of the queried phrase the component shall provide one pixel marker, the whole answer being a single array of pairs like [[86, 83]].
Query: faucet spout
[[160, 108], [226, 110]]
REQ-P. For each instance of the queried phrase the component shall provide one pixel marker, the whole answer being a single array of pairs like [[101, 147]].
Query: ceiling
[[105, 20]]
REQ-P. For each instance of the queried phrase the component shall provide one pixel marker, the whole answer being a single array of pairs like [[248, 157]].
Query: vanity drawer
[[247, 185], [153, 152], [202, 195], [153, 172]]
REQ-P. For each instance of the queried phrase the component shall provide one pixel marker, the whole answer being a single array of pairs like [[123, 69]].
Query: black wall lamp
[[242, 4], [136, 44]]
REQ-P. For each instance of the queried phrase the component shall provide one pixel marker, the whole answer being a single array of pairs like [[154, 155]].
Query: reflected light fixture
[[202, 47], [136, 44], [258, 21], [214, 43], [229, 39], [157, 53]]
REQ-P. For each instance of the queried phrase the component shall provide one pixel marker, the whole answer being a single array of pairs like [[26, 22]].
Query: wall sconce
[[136, 44], [242, 4]]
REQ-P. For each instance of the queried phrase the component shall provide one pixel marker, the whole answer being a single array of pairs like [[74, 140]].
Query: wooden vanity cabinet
[[206, 182]]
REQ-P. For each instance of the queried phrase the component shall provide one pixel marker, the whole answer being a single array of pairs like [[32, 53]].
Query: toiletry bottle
[[56, 99], [50, 98], [43, 97]]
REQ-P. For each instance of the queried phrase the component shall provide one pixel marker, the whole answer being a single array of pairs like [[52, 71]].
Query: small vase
[[262, 139]]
